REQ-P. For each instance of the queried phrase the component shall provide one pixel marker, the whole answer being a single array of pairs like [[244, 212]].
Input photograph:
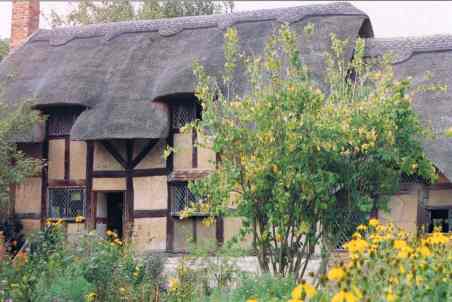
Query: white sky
[[389, 18]]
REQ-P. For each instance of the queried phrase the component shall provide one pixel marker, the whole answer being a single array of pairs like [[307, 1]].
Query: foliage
[[15, 165], [292, 155], [252, 287], [387, 264], [4, 48], [89, 269], [207, 267], [92, 12]]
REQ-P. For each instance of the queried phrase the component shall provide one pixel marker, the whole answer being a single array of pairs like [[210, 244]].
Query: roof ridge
[[403, 48], [172, 26]]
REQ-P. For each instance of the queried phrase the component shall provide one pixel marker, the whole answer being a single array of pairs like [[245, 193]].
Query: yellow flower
[[438, 238], [111, 234], [117, 241], [400, 244], [404, 252], [90, 297], [390, 297], [79, 219], [356, 246], [419, 280], [336, 274], [344, 296], [361, 228], [374, 222], [122, 290], [356, 235], [297, 292], [208, 221], [310, 290], [173, 284], [424, 251], [135, 274]]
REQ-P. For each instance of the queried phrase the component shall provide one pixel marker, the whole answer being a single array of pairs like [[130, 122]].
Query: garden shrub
[[91, 269], [387, 264]]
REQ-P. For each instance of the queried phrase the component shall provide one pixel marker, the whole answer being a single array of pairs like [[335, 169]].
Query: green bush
[[261, 288], [90, 269]]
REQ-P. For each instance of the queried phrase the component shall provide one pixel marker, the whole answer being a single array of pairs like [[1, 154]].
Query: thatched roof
[[414, 57], [117, 70]]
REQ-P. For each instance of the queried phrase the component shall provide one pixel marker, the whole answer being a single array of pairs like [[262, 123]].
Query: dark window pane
[[61, 120], [182, 114], [66, 202], [181, 197]]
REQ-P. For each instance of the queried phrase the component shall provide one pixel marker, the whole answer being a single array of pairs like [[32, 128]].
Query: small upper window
[[66, 202], [182, 114], [61, 120]]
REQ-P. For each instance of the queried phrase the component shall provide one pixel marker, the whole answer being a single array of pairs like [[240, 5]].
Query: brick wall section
[[24, 21]]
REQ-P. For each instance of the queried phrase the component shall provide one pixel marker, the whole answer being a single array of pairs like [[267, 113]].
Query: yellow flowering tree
[[291, 156]]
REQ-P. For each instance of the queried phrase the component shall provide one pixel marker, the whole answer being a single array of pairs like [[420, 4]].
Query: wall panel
[[149, 234], [150, 192], [56, 159], [109, 184], [28, 196], [77, 160]]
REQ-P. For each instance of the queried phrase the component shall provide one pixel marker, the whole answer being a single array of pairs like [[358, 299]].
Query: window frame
[[81, 189], [60, 120], [195, 113], [176, 211]]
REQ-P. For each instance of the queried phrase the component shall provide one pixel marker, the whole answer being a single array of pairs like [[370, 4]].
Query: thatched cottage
[[117, 94]]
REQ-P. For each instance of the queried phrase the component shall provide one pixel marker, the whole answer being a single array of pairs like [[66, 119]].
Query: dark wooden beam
[[150, 172], [195, 229], [146, 149], [94, 208], [149, 213], [44, 175], [219, 232], [170, 158], [109, 174], [112, 150], [64, 183], [169, 224], [67, 158], [34, 216], [194, 153], [128, 207], [440, 186], [134, 173], [89, 184]]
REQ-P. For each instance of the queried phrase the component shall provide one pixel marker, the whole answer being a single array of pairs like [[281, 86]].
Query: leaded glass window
[[181, 197], [182, 114], [61, 120], [66, 202]]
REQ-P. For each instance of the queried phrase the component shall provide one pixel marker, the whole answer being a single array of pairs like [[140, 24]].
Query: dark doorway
[[439, 218], [115, 210]]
